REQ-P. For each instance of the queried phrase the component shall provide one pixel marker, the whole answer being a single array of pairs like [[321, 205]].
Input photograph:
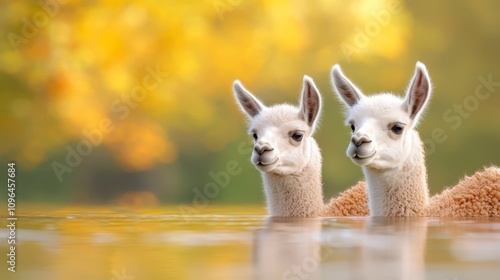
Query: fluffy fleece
[[391, 154], [474, 196], [289, 159], [351, 202]]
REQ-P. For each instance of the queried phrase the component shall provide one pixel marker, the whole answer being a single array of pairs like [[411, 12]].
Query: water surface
[[232, 243]]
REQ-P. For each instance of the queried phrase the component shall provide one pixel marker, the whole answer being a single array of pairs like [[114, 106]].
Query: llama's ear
[[418, 93], [345, 89], [248, 103], [310, 102]]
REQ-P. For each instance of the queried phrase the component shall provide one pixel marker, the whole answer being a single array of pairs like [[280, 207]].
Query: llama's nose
[[359, 140], [262, 148]]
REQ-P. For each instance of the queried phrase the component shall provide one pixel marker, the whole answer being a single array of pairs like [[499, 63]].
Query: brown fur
[[351, 202], [475, 196]]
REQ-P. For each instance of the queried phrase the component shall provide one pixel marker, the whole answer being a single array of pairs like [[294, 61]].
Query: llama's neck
[[401, 191], [299, 194]]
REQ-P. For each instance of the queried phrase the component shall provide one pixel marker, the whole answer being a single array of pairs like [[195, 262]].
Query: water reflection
[[391, 248], [377, 248], [288, 248], [347, 248]]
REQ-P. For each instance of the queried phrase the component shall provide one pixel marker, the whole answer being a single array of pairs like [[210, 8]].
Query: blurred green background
[[130, 102]]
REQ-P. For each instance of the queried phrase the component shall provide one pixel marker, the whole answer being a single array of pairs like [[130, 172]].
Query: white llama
[[289, 158], [390, 152]]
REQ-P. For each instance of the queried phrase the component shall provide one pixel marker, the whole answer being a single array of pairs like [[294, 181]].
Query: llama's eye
[[353, 128], [255, 136], [397, 128], [297, 136]]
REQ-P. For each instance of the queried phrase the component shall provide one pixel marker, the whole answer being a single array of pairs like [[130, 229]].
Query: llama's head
[[282, 133], [382, 125]]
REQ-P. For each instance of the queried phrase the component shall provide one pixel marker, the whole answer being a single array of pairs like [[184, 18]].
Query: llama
[[289, 159], [390, 152]]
